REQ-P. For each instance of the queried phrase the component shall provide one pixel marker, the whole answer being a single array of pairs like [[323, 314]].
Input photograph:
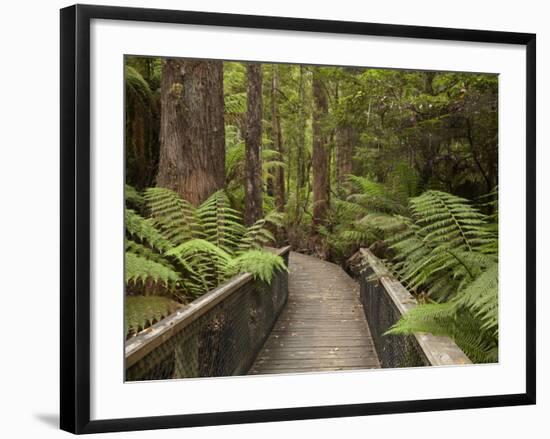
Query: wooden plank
[[287, 370], [322, 328], [317, 342]]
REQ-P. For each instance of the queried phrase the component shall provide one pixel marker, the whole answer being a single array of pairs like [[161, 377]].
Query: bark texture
[[192, 138], [347, 138], [279, 183], [253, 140], [300, 146], [320, 154]]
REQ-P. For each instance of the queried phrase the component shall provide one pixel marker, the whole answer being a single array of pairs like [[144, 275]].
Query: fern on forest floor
[[143, 311], [447, 252], [176, 249]]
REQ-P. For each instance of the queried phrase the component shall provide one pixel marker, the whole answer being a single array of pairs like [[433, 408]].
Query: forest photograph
[[256, 194]]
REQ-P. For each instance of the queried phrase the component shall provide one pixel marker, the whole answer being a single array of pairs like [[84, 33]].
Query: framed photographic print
[[268, 218]]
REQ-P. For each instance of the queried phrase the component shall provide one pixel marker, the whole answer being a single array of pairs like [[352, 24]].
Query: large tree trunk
[[192, 137], [253, 140], [320, 157], [279, 183]]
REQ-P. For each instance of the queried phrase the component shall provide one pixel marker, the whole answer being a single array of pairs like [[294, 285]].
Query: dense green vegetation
[[225, 158], [176, 252]]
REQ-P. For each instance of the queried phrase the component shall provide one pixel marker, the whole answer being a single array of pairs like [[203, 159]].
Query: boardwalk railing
[[219, 334], [384, 301]]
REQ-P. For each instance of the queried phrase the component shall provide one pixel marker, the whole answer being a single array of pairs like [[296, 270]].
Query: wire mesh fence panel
[[382, 314], [385, 300], [221, 336]]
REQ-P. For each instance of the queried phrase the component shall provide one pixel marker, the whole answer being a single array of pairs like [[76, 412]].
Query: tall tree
[[320, 154], [301, 167], [253, 140], [279, 184], [346, 138], [192, 137]]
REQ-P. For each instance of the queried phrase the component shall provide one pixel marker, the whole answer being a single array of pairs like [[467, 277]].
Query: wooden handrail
[[440, 351], [145, 342]]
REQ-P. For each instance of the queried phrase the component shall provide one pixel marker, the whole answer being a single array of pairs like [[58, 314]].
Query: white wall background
[[29, 249]]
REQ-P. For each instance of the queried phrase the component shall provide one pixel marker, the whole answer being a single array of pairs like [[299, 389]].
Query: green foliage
[[177, 219], [370, 211], [140, 269], [447, 319], [137, 86], [141, 230], [185, 251], [408, 132], [447, 256], [258, 235], [261, 264], [133, 198], [375, 197], [221, 224], [439, 250], [143, 311]]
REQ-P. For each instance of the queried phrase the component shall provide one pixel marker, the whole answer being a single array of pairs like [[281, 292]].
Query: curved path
[[322, 327]]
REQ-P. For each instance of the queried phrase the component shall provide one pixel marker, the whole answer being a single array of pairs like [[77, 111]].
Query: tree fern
[[447, 252], [137, 86], [186, 251], [220, 223], [175, 217], [132, 198], [449, 220], [261, 264], [258, 235], [375, 196], [140, 269], [138, 228], [365, 216], [143, 311], [448, 319]]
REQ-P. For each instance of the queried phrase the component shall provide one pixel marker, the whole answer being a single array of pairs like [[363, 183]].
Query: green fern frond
[[140, 269], [146, 252], [138, 228], [175, 217], [448, 251], [143, 311], [448, 319], [191, 248], [375, 196], [447, 219], [258, 235], [137, 87], [261, 264], [221, 224], [481, 297], [133, 199]]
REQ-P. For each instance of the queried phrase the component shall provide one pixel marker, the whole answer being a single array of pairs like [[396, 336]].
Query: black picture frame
[[75, 217]]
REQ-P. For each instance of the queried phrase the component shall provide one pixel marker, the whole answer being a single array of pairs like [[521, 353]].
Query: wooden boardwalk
[[322, 327]]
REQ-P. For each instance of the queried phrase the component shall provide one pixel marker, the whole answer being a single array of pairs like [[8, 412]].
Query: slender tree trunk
[[300, 145], [253, 140], [347, 138], [279, 183], [192, 138], [320, 156]]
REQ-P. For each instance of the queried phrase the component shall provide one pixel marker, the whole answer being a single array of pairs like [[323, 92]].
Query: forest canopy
[[224, 158]]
